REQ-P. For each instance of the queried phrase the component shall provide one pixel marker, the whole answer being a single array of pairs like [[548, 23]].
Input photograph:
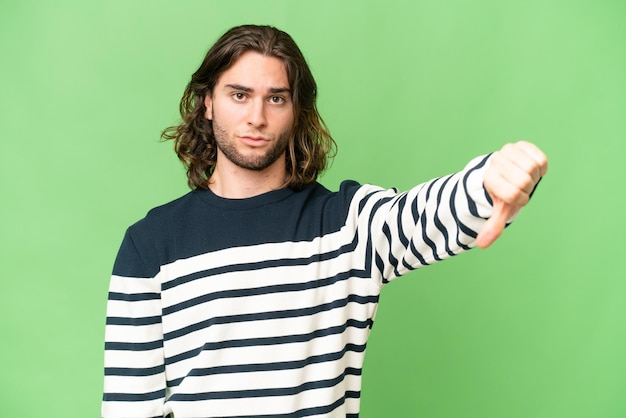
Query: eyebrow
[[250, 90]]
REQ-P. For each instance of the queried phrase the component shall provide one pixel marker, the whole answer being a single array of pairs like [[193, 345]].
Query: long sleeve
[[134, 381], [428, 223]]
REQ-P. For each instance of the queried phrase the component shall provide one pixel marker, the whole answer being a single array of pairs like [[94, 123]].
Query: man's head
[[309, 145]]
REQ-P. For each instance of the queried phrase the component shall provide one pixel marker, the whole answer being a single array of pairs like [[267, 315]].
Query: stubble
[[256, 162]]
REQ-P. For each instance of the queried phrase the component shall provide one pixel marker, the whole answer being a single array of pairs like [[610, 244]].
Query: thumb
[[494, 226]]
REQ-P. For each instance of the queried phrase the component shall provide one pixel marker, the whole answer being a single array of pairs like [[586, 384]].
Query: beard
[[256, 162]]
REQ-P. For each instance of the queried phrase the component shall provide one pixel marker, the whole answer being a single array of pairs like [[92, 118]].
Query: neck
[[233, 182]]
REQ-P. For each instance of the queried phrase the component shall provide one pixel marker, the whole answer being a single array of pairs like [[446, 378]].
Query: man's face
[[252, 112]]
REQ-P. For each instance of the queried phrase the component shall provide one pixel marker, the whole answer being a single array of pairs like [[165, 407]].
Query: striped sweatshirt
[[262, 307]]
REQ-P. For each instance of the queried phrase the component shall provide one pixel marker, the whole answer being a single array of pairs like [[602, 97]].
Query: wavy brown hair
[[310, 147]]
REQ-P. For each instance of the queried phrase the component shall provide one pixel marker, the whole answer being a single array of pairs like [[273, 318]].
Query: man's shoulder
[[318, 195], [165, 214], [346, 188], [167, 209]]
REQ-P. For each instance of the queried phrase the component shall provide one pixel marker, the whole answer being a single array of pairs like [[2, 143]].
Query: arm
[[134, 376], [443, 217]]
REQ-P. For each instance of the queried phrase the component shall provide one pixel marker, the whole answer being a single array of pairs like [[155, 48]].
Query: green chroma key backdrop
[[534, 327]]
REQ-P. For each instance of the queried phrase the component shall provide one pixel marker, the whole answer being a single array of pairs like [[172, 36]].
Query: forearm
[[432, 221]]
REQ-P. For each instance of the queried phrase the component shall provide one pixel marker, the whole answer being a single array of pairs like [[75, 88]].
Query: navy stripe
[[425, 237], [263, 290], [404, 240], [470, 203], [437, 220], [369, 246], [260, 265], [416, 216], [377, 259], [392, 259], [134, 397], [263, 316], [264, 367], [133, 297], [417, 255], [306, 412], [380, 265], [265, 341], [122, 346], [146, 320], [260, 393], [366, 199], [127, 371], [460, 226]]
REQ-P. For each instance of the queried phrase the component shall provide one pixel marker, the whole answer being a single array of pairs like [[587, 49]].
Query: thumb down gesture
[[510, 179]]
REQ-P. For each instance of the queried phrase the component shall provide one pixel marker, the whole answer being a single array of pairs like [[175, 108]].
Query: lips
[[254, 140]]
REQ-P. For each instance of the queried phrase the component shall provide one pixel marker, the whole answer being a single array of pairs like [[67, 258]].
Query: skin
[[513, 173], [253, 118], [252, 114]]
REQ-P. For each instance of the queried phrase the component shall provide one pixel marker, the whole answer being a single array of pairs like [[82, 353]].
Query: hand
[[513, 173]]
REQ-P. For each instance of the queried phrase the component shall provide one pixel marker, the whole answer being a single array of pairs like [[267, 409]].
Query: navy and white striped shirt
[[262, 307]]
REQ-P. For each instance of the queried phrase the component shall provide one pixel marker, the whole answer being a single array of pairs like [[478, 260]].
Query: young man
[[254, 294]]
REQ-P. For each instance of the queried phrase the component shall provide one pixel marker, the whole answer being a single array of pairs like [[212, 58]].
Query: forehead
[[255, 70]]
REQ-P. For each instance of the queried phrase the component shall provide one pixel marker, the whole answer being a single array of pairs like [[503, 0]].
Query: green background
[[533, 327]]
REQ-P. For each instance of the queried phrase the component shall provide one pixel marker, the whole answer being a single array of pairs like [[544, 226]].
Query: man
[[254, 294]]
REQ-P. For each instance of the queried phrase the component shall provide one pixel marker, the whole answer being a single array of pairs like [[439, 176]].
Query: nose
[[256, 114]]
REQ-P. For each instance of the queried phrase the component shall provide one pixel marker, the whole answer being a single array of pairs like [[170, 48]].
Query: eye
[[239, 97], [277, 100]]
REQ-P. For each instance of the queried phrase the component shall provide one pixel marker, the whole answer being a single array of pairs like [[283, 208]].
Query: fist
[[511, 177]]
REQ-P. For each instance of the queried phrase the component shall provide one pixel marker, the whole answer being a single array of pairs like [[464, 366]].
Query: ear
[[208, 103]]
